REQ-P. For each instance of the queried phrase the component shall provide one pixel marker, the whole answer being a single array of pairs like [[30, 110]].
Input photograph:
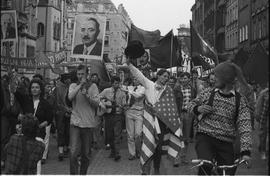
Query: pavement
[[102, 165]]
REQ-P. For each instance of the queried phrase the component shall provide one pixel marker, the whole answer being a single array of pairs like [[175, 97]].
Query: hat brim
[[134, 51]]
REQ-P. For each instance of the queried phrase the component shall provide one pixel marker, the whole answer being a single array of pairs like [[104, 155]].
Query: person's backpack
[[237, 104]]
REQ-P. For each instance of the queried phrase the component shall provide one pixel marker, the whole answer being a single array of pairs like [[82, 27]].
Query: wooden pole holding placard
[[171, 53]]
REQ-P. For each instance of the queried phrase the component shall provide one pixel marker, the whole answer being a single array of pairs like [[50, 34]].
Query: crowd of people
[[217, 113]]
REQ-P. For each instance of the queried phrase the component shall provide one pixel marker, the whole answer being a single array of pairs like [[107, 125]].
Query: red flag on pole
[[201, 52], [148, 38], [167, 53]]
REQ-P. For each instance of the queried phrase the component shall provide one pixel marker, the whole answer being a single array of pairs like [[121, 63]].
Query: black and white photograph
[[134, 87], [88, 37]]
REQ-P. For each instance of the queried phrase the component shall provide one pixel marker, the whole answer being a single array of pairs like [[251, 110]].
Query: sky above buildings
[[158, 14]]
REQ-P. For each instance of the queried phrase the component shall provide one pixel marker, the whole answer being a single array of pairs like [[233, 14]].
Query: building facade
[[220, 26], [49, 29], [209, 19], [231, 27], [259, 30], [198, 16], [244, 17], [238, 24], [209, 22], [25, 46]]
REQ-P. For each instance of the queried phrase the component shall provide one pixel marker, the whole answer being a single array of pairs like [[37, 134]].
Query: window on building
[[107, 25], [240, 35], [233, 14], [106, 41], [236, 12], [259, 28], [236, 38], [70, 24], [254, 30], [56, 31], [69, 38], [246, 32], [30, 51], [243, 33], [40, 29], [229, 41], [227, 17], [56, 46], [105, 57], [264, 26]]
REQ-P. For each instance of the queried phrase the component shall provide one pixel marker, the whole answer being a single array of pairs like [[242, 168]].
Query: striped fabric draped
[[171, 141]]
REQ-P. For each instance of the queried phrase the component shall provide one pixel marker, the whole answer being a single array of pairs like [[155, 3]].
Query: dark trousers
[[62, 124], [113, 129], [156, 157], [209, 148], [79, 146]]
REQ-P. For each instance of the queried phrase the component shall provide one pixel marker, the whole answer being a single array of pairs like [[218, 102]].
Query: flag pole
[[191, 48], [191, 45], [171, 52]]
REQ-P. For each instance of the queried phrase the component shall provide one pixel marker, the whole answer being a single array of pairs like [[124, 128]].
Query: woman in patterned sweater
[[216, 130]]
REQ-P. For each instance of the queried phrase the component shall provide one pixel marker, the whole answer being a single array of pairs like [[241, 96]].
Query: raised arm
[[139, 76], [73, 90], [244, 127], [92, 95]]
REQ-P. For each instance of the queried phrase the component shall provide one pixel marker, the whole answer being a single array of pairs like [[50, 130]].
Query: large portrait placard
[[88, 36]]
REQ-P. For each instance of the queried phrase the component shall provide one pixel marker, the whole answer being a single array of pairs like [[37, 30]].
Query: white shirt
[[89, 48], [36, 102], [138, 94], [151, 93]]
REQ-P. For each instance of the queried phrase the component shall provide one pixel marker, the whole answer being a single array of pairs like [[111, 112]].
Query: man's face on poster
[[5, 21], [89, 32]]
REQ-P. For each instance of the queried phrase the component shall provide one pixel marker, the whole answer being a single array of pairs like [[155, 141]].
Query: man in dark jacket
[[89, 33]]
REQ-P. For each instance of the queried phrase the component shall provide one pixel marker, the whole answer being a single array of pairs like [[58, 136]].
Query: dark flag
[[167, 53], [201, 52], [148, 38], [241, 58], [257, 67]]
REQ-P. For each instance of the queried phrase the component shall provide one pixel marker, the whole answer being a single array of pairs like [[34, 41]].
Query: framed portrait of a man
[[9, 26], [88, 36]]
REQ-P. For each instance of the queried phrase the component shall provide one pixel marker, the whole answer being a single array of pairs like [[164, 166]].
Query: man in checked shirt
[[188, 94]]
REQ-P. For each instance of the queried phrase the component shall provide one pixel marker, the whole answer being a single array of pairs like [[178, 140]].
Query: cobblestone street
[[102, 165]]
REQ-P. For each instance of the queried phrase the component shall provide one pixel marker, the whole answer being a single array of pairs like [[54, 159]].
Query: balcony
[[221, 3], [221, 30]]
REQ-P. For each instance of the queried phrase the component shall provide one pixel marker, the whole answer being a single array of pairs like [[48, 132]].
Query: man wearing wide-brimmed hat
[[160, 118]]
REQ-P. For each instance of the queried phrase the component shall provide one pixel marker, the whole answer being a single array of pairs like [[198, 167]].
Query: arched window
[[40, 29]]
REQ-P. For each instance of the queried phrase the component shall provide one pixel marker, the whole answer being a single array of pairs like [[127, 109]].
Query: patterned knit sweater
[[221, 123]]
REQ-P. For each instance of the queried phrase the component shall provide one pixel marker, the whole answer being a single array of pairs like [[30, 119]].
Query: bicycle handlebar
[[201, 162]]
